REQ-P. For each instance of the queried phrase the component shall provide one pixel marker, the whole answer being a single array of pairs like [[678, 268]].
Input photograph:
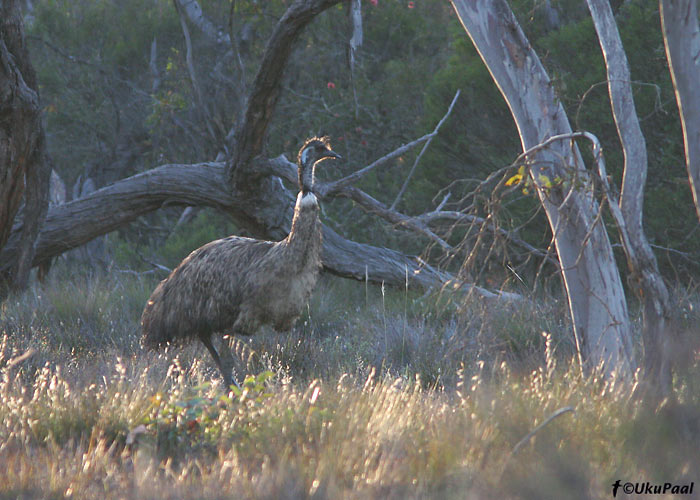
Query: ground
[[376, 393]]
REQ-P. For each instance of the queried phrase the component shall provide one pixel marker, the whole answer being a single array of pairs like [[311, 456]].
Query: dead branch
[[189, 59], [529, 435], [422, 151], [457, 216], [333, 187]]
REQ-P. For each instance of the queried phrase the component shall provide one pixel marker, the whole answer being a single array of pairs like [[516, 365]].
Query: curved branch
[[73, 224], [250, 132]]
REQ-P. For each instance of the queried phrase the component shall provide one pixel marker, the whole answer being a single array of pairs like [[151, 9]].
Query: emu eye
[[320, 149]]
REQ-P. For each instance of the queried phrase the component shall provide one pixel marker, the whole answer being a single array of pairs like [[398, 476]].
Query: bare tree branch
[[335, 186], [422, 151], [189, 58], [194, 13], [456, 216]]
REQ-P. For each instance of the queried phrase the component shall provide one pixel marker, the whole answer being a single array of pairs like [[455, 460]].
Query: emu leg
[[227, 359], [226, 373]]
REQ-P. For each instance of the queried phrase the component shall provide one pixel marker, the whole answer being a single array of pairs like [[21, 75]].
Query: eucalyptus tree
[[597, 302]]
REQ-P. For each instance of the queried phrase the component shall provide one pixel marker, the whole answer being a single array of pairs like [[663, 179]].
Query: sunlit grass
[[364, 399]]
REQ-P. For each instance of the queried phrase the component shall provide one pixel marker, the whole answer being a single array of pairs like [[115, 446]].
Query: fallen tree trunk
[[73, 224]]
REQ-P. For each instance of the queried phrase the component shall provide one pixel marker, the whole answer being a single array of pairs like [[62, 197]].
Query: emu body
[[236, 285]]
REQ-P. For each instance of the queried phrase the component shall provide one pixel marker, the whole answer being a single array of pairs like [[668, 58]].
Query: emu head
[[311, 153]]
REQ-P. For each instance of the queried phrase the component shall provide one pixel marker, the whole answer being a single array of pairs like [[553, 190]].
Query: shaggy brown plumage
[[240, 284]]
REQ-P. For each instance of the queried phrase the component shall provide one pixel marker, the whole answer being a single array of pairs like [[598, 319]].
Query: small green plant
[[195, 417]]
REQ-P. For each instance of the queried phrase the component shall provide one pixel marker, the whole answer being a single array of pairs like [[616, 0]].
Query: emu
[[241, 283]]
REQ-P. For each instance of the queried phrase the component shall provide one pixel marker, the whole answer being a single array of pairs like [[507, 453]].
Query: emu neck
[[304, 240], [307, 176]]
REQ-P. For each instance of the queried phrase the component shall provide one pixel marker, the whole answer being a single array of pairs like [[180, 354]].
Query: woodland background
[[102, 97]]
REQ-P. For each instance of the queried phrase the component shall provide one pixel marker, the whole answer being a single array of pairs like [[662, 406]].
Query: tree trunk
[[679, 23], [645, 276], [75, 223], [591, 278], [24, 166]]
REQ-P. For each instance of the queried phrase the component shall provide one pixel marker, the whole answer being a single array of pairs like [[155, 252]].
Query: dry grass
[[372, 396]]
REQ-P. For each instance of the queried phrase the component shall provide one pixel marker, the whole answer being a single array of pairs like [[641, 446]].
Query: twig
[[154, 264], [201, 106], [550, 140], [683, 255], [22, 357], [443, 202], [422, 151], [336, 186], [135, 273], [474, 219], [534, 431]]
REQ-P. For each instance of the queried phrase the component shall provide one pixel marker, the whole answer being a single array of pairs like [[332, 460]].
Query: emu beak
[[333, 154]]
